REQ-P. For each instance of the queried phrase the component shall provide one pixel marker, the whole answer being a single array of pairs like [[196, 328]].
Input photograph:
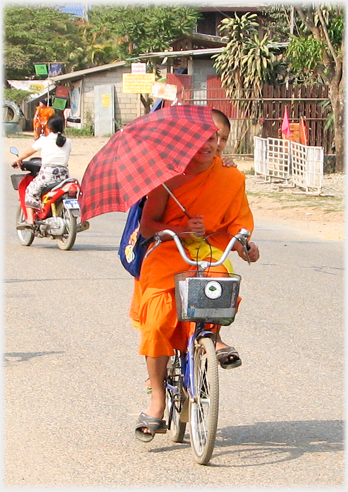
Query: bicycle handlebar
[[241, 236]]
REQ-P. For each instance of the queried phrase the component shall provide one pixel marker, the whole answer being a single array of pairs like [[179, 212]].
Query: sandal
[[155, 426], [24, 225], [228, 358]]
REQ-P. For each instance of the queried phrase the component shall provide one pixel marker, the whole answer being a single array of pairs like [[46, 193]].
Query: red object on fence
[[285, 124], [303, 131]]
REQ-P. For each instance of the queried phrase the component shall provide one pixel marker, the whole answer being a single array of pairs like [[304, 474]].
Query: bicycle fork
[[189, 382]]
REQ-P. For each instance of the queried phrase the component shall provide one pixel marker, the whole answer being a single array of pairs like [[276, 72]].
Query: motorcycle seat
[[48, 188], [61, 183], [54, 186]]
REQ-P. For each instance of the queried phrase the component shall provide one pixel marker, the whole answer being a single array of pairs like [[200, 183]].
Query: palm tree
[[245, 65]]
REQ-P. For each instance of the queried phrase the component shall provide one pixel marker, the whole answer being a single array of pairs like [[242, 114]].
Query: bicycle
[[192, 381]]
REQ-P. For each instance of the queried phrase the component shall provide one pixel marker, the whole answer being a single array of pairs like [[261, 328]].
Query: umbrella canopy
[[141, 156]]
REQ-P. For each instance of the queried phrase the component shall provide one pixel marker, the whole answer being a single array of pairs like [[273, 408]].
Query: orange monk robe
[[219, 195], [41, 117]]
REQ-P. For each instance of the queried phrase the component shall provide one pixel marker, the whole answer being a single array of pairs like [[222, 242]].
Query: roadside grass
[[325, 203]]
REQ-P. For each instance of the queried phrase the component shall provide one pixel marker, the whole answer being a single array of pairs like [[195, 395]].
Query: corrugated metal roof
[[73, 8], [160, 54], [80, 73], [171, 54]]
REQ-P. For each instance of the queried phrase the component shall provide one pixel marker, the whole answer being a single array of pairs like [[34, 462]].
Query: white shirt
[[51, 154]]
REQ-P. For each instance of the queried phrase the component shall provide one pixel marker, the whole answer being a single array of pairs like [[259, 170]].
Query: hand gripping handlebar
[[241, 236]]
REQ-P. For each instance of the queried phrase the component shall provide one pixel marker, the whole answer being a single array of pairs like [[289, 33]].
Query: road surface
[[74, 382]]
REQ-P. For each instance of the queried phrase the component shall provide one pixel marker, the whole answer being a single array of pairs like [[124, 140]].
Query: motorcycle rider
[[55, 151]]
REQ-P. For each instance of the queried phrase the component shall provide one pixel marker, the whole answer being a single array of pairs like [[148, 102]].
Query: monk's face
[[207, 151], [222, 134]]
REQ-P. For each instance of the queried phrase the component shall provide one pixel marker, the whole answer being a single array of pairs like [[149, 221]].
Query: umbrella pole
[[177, 201]]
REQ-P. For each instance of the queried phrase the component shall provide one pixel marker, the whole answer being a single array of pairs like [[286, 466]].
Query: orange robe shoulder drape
[[217, 193]]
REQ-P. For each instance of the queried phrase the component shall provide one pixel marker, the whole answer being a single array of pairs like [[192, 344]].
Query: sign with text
[[138, 67], [59, 103], [55, 69], [40, 69], [165, 91], [34, 87], [138, 83], [62, 91], [106, 100]]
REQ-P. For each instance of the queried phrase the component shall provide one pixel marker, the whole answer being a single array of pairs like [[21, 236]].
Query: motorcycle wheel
[[25, 236], [67, 240]]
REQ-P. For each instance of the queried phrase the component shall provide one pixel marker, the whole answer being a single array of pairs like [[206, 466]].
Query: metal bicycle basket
[[209, 297]]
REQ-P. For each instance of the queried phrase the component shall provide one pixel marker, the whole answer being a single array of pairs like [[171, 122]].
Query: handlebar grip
[[147, 241]]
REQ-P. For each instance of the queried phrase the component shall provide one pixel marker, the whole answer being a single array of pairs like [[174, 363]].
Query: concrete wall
[[201, 69], [127, 106]]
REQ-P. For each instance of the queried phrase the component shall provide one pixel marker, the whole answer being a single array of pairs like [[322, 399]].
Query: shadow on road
[[273, 442], [14, 357], [266, 443]]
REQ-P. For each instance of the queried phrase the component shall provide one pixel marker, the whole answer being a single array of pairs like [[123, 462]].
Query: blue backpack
[[130, 252]]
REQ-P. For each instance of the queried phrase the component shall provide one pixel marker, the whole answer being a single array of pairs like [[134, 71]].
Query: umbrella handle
[[177, 201]]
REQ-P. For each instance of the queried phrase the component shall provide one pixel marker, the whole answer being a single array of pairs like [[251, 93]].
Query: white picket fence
[[292, 162]]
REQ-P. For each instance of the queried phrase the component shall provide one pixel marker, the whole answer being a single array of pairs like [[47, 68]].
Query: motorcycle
[[59, 215]]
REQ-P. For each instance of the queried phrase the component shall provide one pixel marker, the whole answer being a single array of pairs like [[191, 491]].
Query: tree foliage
[[37, 35], [45, 34], [315, 54], [118, 33], [248, 61], [16, 95]]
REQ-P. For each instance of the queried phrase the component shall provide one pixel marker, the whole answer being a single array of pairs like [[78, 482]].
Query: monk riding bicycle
[[206, 296], [214, 200]]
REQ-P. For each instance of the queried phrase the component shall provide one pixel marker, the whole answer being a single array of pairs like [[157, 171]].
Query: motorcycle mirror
[[14, 151]]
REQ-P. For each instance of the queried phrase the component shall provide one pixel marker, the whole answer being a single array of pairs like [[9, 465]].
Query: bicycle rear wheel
[[174, 400], [205, 409]]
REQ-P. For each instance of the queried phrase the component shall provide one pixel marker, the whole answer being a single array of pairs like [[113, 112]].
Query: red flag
[[303, 131], [285, 124]]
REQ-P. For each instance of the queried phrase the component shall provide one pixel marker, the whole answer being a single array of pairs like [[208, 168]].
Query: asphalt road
[[74, 382]]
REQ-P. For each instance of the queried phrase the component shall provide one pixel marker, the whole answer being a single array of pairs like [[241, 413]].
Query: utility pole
[[292, 11], [85, 12]]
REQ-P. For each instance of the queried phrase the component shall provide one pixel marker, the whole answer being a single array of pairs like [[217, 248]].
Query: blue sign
[[55, 69]]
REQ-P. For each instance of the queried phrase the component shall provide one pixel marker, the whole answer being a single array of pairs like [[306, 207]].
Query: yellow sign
[[36, 87], [106, 99], [138, 83]]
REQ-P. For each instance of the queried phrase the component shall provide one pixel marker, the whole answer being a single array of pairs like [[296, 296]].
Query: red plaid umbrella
[[140, 157]]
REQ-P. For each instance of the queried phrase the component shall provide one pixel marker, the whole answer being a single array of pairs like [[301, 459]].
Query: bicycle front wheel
[[204, 409]]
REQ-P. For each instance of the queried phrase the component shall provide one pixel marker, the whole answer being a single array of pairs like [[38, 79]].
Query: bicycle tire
[[174, 401], [205, 409]]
